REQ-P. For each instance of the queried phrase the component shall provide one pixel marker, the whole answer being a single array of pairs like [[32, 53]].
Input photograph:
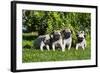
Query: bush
[[47, 21]]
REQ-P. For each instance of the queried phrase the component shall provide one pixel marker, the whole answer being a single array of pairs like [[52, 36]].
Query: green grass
[[32, 54]]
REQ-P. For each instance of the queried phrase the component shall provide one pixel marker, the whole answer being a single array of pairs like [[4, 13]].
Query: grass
[[30, 54]]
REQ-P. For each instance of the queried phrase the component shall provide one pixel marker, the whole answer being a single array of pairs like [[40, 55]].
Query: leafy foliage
[[47, 21]]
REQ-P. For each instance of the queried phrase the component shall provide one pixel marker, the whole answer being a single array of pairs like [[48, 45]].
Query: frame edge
[[13, 36]]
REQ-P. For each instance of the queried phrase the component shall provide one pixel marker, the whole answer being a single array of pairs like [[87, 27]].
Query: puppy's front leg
[[77, 46], [63, 47], [69, 46], [47, 47], [41, 46], [83, 46], [53, 46]]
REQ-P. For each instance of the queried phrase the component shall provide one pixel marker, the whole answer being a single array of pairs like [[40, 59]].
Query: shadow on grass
[[29, 37], [27, 46]]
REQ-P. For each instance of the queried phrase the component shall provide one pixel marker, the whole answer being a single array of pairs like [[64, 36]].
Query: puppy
[[56, 39], [81, 41], [67, 38], [43, 41]]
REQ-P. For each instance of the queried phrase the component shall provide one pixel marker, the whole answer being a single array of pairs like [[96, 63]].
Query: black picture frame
[[13, 35]]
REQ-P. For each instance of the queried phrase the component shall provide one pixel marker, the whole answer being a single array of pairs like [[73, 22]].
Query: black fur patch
[[80, 39], [66, 35], [56, 37], [47, 42], [42, 39]]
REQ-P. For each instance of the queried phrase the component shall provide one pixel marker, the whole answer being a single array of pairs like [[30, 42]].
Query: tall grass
[[32, 54]]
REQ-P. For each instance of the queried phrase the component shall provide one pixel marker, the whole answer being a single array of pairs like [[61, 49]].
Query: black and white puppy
[[43, 41], [56, 39], [67, 38], [81, 41]]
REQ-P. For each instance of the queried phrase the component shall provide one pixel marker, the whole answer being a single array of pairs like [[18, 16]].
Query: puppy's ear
[[71, 31], [62, 31], [51, 35], [85, 35], [77, 34]]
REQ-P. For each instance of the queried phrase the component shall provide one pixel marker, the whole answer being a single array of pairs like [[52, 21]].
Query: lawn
[[32, 54]]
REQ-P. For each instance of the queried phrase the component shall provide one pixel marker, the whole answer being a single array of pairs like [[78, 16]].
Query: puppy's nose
[[80, 38]]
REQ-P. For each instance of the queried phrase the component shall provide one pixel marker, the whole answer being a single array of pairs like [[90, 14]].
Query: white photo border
[[58, 64]]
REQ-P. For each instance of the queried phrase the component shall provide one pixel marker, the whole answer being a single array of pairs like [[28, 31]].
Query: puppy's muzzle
[[80, 39], [56, 37], [67, 35]]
